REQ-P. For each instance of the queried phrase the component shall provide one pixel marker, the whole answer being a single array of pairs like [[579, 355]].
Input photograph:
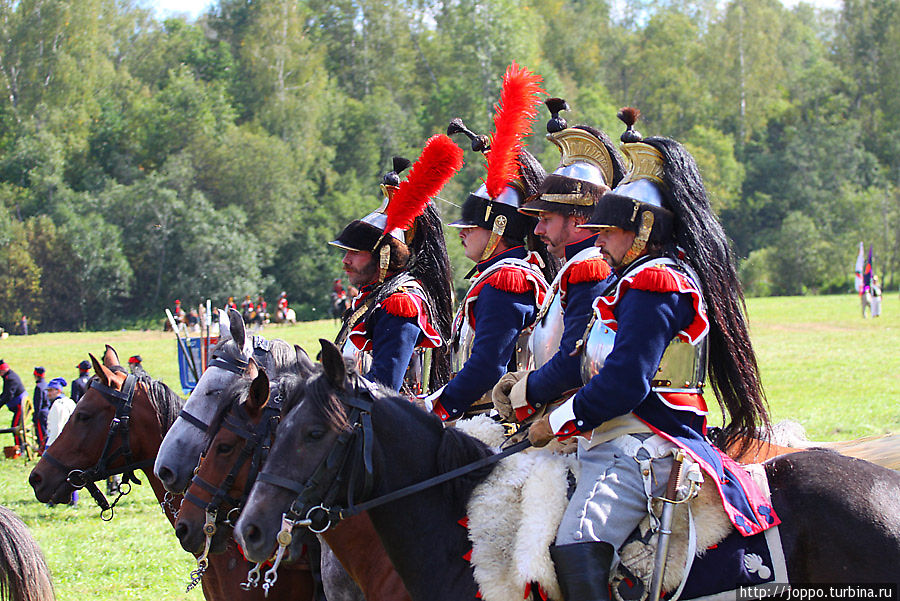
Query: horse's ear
[[304, 363], [100, 371], [252, 369], [111, 358], [259, 392], [224, 330], [237, 328], [333, 361]]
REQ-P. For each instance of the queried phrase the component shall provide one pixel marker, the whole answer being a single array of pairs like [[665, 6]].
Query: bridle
[[122, 400], [258, 441], [349, 462], [235, 365]]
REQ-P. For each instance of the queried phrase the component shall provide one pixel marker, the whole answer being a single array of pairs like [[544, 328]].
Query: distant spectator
[[41, 407], [136, 367], [179, 312], [79, 384], [876, 297], [23, 325], [61, 408], [13, 394]]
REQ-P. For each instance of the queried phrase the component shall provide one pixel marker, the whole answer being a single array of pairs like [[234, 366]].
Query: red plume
[[513, 117], [439, 161]]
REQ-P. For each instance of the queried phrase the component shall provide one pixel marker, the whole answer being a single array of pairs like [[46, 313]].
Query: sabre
[[665, 526], [184, 349]]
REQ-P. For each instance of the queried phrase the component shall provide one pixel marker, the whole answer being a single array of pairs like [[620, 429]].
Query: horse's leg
[[840, 517], [338, 584]]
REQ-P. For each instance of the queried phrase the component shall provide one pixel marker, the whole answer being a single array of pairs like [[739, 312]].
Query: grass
[[822, 365]]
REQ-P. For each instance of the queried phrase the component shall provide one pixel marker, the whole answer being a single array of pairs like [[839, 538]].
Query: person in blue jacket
[[12, 396], [403, 277], [41, 407], [79, 384], [677, 292], [589, 166], [511, 264]]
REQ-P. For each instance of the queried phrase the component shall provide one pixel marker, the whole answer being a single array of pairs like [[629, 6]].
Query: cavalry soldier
[[588, 167], [12, 396], [397, 258], [136, 366], [509, 286], [676, 295], [79, 384], [41, 405]]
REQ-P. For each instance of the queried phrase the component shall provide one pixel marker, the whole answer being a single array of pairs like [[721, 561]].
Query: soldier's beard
[[364, 276]]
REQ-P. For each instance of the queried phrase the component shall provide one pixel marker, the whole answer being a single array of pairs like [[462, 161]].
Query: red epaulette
[[594, 269], [400, 304], [656, 279], [509, 279]]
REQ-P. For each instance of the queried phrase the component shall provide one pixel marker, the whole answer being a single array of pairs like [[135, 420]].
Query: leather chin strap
[[640, 240]]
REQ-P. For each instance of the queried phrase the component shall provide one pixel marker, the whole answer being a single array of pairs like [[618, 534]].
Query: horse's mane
[[24, 575], [166, 403]]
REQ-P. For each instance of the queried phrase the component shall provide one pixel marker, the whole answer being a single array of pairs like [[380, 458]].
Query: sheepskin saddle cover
[[514, 514]]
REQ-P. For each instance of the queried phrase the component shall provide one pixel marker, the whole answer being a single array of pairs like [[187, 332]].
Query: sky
[[194, 8]]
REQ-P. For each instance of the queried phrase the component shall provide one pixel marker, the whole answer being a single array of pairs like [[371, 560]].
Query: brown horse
[[242, 427], [97, 435]]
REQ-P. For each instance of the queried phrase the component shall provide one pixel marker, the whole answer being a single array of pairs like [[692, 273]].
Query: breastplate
[[413, 380], [547, 335], [464, 340], [681, 369]]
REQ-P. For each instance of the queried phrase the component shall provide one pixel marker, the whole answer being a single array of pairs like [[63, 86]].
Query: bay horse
[[841, 516], [24, 575], [118, 425]]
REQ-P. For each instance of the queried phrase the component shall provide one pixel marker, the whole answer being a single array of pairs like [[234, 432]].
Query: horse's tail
[[883, 450], [24, 575]]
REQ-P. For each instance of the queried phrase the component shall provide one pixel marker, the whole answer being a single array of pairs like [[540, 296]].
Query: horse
[[187, 439], [340, 302], [24, 575], [117, 431], [841, 517], [231, 464]]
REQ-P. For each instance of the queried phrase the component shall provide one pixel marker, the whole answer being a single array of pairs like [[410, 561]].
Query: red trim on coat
[[592, 269], [400, 304], [431, 338]]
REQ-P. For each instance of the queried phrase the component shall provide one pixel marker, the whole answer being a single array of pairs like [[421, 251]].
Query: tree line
[[145, 160]]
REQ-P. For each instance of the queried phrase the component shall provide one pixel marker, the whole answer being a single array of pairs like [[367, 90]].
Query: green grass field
[[822, 365]]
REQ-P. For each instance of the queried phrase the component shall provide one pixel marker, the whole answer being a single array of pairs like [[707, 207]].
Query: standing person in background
[[79, 384], [136, 367], [23, 325], [61, 408], [41, 407], [12, 396]]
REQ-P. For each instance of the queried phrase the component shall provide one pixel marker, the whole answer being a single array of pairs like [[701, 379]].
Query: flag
[[860, 265], [867, 272]]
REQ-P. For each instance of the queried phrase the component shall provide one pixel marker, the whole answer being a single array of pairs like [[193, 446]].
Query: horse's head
[[81, 443], [184, 442], [316, 423], [233, 455]]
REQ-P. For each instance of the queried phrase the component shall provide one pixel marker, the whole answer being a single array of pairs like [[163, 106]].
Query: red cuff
[[440, 411], [523, 413], [567, 431]]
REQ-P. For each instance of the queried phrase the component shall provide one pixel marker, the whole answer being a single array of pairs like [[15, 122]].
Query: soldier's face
[[360, 267], [557, 231], [614, 243], [474, 240]]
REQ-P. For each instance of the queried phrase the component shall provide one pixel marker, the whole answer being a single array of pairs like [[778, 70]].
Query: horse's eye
[[223, 448], [315, 434], [83, 416]]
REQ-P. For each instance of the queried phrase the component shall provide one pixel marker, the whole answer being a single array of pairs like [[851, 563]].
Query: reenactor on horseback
[[589, 166], [397, 258], [676, 304], [495, 316]]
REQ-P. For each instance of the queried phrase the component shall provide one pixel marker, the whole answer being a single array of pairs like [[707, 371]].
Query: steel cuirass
[[548, 327], [682, 367]]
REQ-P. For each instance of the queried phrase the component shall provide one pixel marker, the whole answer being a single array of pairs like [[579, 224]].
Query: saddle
[[513, 517]]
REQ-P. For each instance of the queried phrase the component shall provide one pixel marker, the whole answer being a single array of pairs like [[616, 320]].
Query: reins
[[122, 400], [313, 506]]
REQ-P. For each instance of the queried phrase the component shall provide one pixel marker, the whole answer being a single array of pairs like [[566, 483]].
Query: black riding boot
[[583, 570]]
